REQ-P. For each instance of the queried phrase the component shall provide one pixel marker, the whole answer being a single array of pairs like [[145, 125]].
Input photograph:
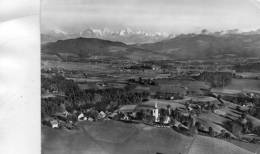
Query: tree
[[140, 115], [204, 31], [211, 132]]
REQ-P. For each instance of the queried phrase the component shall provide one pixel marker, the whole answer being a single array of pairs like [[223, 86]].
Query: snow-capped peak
[[59, 31], [97, 31], [126, 35]]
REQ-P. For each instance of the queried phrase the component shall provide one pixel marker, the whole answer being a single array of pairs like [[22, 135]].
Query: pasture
[[112, 137], [244, 84]]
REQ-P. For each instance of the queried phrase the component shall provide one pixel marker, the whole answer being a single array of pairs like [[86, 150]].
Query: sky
[[170, 16]]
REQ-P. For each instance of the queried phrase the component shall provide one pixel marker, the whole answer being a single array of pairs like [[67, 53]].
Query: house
[[101, 115], [90, 119], [81, 117], [128, 109], [220, 112], [113, 115], [54, 123], [66, 113], [125, 117], [167, 120]]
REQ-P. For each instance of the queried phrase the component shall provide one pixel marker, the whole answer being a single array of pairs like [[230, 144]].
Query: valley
[[105, 97]]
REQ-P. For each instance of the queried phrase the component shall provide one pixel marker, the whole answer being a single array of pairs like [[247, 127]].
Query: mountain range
[[126, 35], [92, 47], [189, 46], [208, 46]]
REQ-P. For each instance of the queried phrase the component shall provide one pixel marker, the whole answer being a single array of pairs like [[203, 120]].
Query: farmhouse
[[54, 123]]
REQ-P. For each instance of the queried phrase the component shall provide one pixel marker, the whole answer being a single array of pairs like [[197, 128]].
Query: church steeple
[[156, 112]]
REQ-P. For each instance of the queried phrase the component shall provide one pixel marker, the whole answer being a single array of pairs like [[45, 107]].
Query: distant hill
[[46, 38], [91, 47], [208, 46], [190, 46]]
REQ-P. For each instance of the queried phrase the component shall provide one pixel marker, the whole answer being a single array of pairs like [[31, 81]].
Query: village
[[188, 110]]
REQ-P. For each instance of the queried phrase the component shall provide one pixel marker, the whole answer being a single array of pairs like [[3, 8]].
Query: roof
[[226, 91], [127, 108], [201, 99], [160, 104], [54, 122]]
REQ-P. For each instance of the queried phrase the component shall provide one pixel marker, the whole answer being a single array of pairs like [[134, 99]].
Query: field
[[77, 66], [111, 137], [244, 84], [95, 85], [207, 145], [249, 75], [180, 86], [164, 103]]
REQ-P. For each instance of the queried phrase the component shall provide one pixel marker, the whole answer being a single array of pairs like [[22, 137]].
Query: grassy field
[[244, 84], [77, 66], [50, 57], [112, 137], [180, 86], [207, 145], [249, 74], [164, 103]]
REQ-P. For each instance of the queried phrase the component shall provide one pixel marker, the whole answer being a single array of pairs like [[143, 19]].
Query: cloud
[[256, 3]]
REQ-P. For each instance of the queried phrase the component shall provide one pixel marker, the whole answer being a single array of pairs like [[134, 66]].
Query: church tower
[[156, 113]]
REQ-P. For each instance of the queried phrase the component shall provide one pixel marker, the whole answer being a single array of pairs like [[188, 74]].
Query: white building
[[156, 113], [90, 119], [54, 124], [81, 117], [101, 115]]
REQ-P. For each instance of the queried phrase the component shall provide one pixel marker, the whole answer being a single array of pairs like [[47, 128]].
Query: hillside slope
[[204, 46], [208, 145], [112, 137], [87, 47], [190, 46]]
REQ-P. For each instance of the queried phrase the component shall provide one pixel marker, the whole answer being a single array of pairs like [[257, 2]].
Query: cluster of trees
[[77, 99], [216, 79], [168, 96], [251, 67], [108, 99], [242, 125], [140, 67], [254, 103], [61, 84], [142, 81], [50, 106]]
